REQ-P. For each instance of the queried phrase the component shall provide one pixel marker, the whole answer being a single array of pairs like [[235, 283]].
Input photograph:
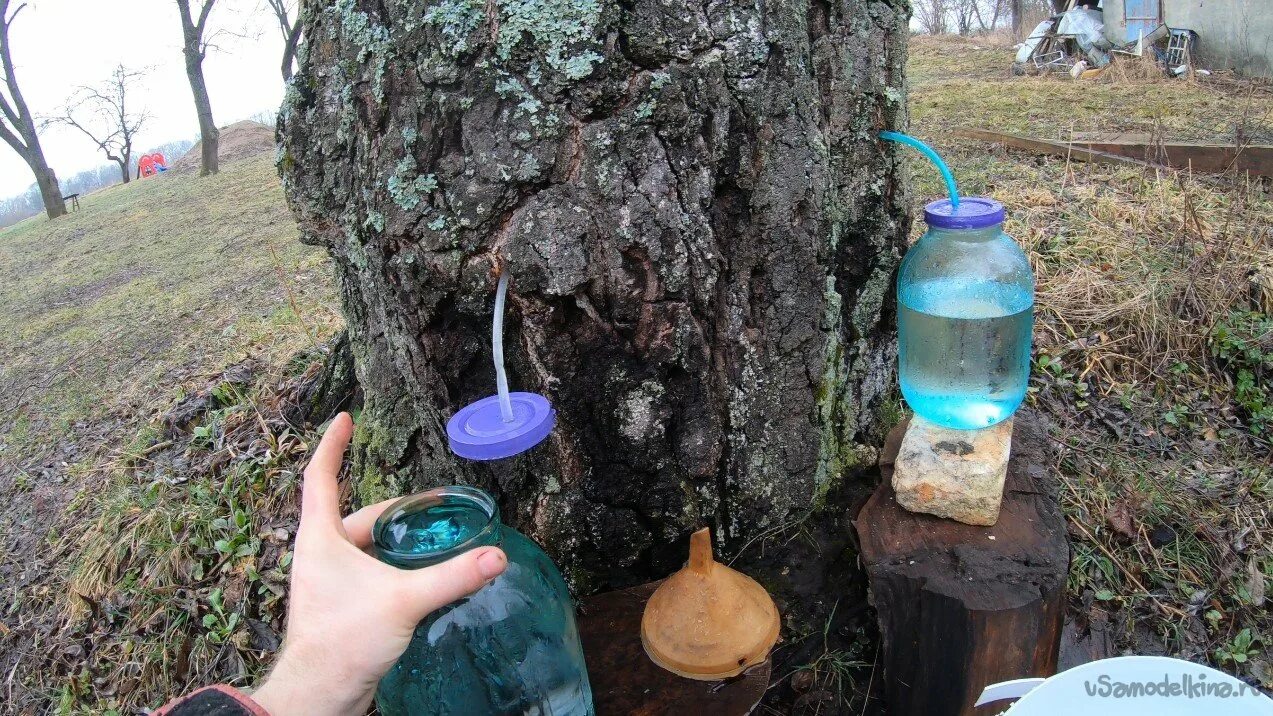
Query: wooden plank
[[1198, 156], [1089, 137], [1042, 146], [961, 607], [625, 681]]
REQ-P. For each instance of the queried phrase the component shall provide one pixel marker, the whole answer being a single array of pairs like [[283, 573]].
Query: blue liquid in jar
[[964, 349], [435, 529]]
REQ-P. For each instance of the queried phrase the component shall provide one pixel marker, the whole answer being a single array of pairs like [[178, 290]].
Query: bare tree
[[994, 9], [17, 126], [933, 15], [102, 114], [291, 30], [195, 48], [963, 11]]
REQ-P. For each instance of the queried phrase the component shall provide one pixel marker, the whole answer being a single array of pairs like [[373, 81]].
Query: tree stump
[[961, 606]]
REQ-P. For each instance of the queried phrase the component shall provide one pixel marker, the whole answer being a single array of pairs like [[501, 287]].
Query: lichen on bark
[[700, 224]]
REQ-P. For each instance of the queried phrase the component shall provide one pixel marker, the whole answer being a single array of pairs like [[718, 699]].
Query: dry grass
[[193, 558], [1157, 260], [1134, 70]]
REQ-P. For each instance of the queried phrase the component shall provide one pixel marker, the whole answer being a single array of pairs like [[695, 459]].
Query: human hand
[[351, 616]]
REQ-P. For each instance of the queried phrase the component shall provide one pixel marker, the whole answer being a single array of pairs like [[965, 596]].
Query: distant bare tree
[[963, 16], [933, 15], [195, 48], [291, 29], [103, 115], [17, 126], [963, 11], [992, 10]]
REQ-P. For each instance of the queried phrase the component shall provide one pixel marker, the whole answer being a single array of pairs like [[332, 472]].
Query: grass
[[149, 283], [193, 564]]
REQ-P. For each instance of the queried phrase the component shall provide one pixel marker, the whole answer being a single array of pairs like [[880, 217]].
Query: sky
[[59, 45]]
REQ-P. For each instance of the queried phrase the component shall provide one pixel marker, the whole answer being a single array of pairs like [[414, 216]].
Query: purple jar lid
[[975, 212], [478, 431]]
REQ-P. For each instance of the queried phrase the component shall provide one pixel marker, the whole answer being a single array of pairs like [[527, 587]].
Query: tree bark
[[701, 227], [192, 30]]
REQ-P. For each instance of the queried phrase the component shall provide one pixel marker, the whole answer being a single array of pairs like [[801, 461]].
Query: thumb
[[426, 590]]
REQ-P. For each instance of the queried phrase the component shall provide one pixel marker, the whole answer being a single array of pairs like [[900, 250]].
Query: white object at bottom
[[1132, 686]]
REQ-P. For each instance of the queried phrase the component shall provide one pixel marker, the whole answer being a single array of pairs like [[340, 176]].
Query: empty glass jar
[[511, 648]]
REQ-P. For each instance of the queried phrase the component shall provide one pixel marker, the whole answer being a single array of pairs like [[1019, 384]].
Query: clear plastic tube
[[497, 350], [933, 157]]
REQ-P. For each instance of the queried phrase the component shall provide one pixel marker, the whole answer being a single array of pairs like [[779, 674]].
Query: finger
[[431, 588], [359, 524], [320, 496]]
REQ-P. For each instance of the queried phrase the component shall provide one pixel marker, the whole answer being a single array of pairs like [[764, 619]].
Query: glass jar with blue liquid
[[965, 315], [510, 648]]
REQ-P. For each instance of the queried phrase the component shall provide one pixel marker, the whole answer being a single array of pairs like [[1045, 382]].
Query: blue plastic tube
[[933, 157]]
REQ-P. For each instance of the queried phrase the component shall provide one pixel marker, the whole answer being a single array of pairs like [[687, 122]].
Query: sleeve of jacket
[[213, 701]]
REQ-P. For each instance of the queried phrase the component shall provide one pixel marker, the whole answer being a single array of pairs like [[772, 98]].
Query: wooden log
[[625, 681], [959, 606]]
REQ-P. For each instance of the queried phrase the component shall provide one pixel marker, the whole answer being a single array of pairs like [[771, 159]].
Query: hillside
[[150, 342], [241, 140], [149, 284], [109, 316]]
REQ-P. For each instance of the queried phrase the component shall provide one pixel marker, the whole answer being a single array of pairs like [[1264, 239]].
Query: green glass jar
[[511, 648]]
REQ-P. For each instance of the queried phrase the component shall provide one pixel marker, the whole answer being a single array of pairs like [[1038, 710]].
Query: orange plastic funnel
[[707, 621]]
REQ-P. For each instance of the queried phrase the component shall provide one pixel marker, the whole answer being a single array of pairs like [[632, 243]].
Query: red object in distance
[[151, 164]]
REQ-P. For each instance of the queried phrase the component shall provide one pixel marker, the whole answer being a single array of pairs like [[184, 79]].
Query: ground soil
[[238, 141]]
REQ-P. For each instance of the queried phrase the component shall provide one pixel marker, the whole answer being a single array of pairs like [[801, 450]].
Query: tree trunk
[[17, 126], [289, 53], [50, 191], [209, 135], [124, 174], [192, 30], [701, 228]]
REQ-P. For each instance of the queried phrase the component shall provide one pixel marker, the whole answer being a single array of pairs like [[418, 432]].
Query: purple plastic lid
[[975, 212], [478, 431]]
